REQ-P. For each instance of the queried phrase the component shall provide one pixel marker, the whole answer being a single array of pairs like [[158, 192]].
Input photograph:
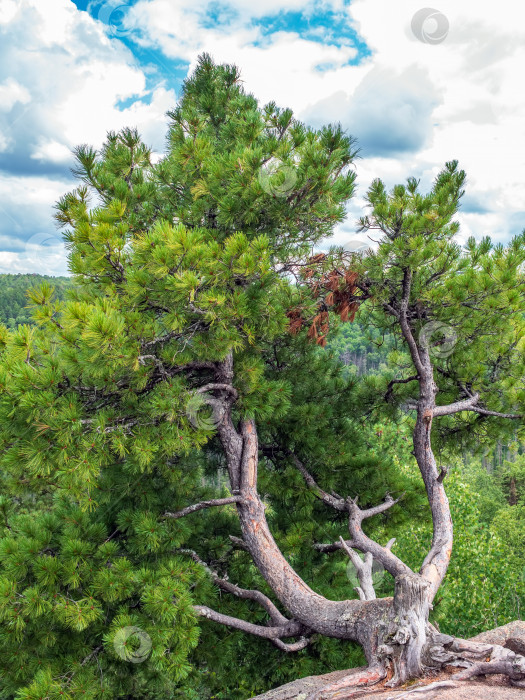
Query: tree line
[[13, 295]]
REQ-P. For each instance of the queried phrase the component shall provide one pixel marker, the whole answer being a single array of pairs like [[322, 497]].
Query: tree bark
[[398, 641]]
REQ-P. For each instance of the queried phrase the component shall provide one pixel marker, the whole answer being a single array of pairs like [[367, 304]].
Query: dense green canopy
[[107, 413]]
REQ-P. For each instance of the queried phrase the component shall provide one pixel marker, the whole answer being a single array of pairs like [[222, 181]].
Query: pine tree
[[459, 314], [186, 434], [176, 267]]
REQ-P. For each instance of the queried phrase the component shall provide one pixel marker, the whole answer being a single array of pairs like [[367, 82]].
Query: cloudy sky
[[417, 86]]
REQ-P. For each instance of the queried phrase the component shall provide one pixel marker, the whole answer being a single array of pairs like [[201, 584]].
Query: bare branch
[[295, 646], [314, 611], [366, 590], [217, 386], [405, 326], [336, 546], [442, 474], [239, 542], [246, 594], [390, 561], [505, 662], [485, 412], [391, 310], [338, 504], [424, 689], [291, 629], [119, 424], [465, 405], [142, 360], [470, 404], [435, 564], [370, 512], [390, 387], [203, 504], [198, 325], [188, 367]]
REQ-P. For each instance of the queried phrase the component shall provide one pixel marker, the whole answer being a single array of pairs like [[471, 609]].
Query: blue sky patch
[[219, 14], [325, 27]]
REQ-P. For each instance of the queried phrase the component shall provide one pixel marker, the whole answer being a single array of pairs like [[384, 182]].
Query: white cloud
[[29, 240], [61, 80], [281, 66], [61, 61], [12, 92], [52, 151], [389, 112], [47, 258], [477, 72], [8, 10], [412, 104]]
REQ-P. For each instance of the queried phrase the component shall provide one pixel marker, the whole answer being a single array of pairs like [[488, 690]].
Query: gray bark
[[395, 633]]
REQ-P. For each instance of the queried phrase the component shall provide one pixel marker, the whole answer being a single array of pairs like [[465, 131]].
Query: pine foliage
[[106, 425]]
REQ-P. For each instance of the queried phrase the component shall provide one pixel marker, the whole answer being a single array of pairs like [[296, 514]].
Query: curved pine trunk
[[398, 641]]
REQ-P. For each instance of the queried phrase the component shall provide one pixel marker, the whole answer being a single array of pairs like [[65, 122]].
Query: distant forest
[[13, 299], [362, 351]]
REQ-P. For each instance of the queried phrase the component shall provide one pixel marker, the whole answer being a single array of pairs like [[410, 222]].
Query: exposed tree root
[[484, 659], [441, 653], [502, 661]]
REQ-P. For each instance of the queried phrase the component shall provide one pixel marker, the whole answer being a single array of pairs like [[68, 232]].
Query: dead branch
[[337, 503], [246, 594], [203, 504], [290, 629], [294, 646]]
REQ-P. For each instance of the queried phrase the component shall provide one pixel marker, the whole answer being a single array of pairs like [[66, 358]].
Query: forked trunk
[[399, 642]]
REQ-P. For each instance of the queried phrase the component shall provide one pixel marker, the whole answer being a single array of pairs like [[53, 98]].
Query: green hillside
[[13, 300]]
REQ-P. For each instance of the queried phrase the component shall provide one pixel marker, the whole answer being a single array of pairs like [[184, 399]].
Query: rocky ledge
[[511, 636]]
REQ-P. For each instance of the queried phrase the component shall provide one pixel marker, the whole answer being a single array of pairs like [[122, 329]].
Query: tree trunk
[[398, 641]]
